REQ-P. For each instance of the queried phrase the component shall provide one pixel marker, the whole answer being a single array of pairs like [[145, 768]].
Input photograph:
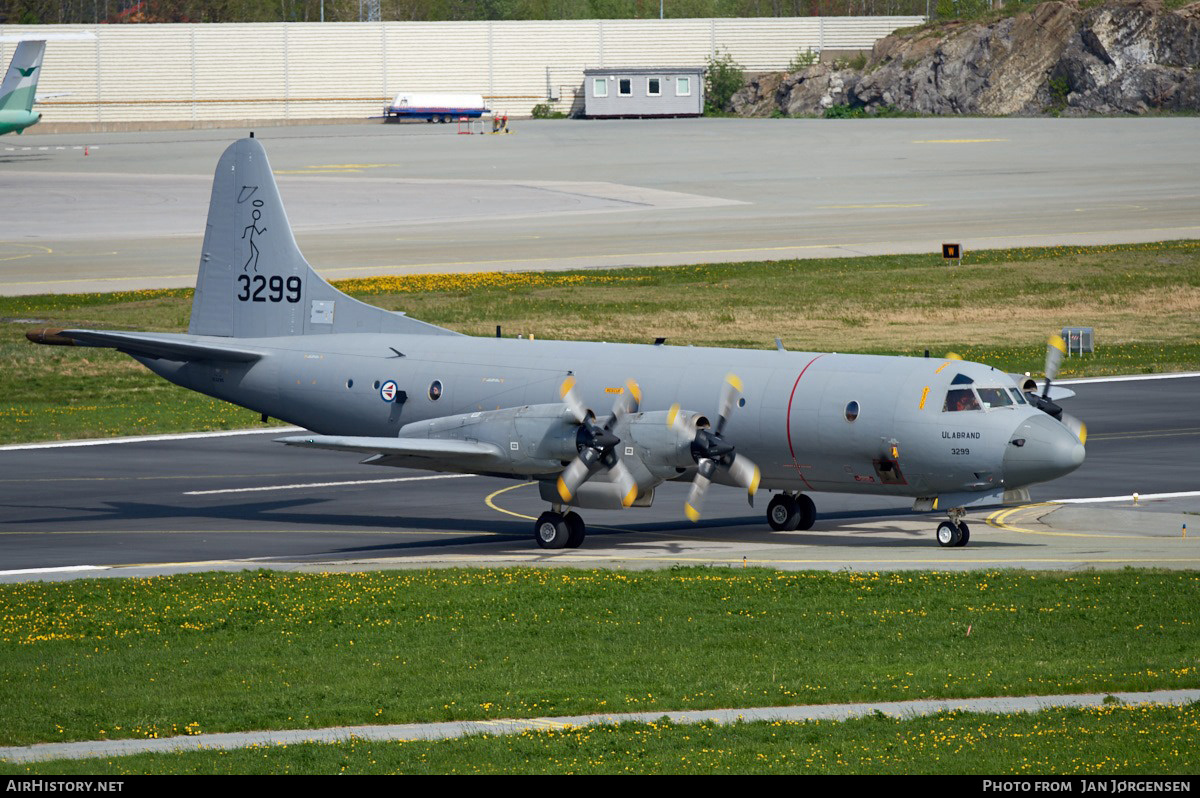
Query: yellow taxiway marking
[[999, 520], [45, 250], [333, 168], [219, 531], [878, 205], [191, 276], [956, 141], [490, 503], [734, 559]]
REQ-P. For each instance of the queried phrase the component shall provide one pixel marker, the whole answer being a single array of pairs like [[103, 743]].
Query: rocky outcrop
[[1128, 57]]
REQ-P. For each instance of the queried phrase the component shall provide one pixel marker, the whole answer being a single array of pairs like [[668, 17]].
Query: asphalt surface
[[240, 501], [128, 211], [393, 199]]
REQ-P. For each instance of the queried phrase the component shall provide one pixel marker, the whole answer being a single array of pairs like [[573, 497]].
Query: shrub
[[803, 59], [722, 79]]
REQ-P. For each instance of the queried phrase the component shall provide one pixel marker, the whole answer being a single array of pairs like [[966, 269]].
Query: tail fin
[[20, 82], [253, 280]]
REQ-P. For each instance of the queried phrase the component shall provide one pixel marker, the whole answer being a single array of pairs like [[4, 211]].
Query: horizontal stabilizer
[[1057, 392], [153, 345], [432, 448]]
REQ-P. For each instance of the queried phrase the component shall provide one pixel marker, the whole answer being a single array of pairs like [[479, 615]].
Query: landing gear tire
[[808, 512], [576, 530], [964, 533], [949, 535], [786, 512], [551, 531], [782, 513]]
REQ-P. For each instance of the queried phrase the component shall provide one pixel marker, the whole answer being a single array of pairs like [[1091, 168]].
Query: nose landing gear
[[955, 532]]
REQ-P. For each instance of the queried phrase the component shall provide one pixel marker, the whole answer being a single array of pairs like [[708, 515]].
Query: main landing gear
[[954, 532], [556, 530], [788, 511]]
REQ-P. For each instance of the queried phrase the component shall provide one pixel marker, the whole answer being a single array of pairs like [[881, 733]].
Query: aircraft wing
[[436, 453], [165, 346], [1056, 392]]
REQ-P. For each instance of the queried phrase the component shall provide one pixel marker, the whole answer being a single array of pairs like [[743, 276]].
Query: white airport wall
[[307, 70]]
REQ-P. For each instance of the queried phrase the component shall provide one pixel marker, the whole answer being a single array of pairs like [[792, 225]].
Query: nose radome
[[1050, 450]]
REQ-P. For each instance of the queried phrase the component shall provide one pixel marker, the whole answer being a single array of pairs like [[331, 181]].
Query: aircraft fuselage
[[811, 421]]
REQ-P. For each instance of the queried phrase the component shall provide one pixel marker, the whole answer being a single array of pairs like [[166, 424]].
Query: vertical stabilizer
[[253, 280], [20, 82]]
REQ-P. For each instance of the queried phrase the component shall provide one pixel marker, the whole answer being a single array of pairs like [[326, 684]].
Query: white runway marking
[[54, 570], [1128, 378], [326, 484], [1128, 497], [183, 436]]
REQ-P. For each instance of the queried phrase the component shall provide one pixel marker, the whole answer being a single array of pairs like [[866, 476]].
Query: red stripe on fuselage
[[789, 420]]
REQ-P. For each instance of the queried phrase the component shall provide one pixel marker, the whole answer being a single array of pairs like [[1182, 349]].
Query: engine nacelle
[[663, 449], [1026, 383], [534, 439]]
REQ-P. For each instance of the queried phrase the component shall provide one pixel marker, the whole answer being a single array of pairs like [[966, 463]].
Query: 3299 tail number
[[258, 288]]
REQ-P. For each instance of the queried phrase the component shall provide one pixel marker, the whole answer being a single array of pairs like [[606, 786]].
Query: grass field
[[997, 308], [1110, 740], [130, 658]]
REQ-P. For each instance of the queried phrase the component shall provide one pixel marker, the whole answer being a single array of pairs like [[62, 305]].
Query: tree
[[722, 79]]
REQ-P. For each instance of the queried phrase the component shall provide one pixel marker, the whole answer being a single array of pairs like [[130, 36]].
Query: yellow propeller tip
[[563, 490], [754, 481], [672, 414], [691, 512], [566, 387], [734, 380], [1058, 343], [635, 390], [630, 497], [953, 356]]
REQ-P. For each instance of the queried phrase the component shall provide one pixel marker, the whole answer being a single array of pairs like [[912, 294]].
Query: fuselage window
[[994, 397], [960, 399], [435, 390], [852, 411]]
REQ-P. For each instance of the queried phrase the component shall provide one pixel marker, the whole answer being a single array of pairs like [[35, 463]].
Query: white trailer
[[435, 106]]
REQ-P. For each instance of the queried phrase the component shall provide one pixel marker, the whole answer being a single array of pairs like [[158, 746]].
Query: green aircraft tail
[[20, 82]]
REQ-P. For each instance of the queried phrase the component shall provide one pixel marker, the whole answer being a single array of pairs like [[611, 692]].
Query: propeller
[[1056, 347], [597, 444], [712, 452]]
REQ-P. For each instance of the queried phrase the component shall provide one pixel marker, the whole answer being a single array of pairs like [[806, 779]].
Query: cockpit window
[[994, 397], [961, 379], [960, 399], [1018, 396]]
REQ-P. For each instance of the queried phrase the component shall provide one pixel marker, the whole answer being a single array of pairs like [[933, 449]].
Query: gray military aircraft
[[269, 334]]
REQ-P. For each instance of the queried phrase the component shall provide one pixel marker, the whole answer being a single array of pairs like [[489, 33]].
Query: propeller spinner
[[597, 444], [712, 452]]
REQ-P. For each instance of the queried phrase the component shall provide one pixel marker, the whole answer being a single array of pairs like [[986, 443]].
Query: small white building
[[643, 92]]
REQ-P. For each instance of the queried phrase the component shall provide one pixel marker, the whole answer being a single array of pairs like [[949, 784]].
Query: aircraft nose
[[1040, 449]]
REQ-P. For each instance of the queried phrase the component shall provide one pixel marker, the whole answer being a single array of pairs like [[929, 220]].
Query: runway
[[396, 199], [237, 501], [563, 194]]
